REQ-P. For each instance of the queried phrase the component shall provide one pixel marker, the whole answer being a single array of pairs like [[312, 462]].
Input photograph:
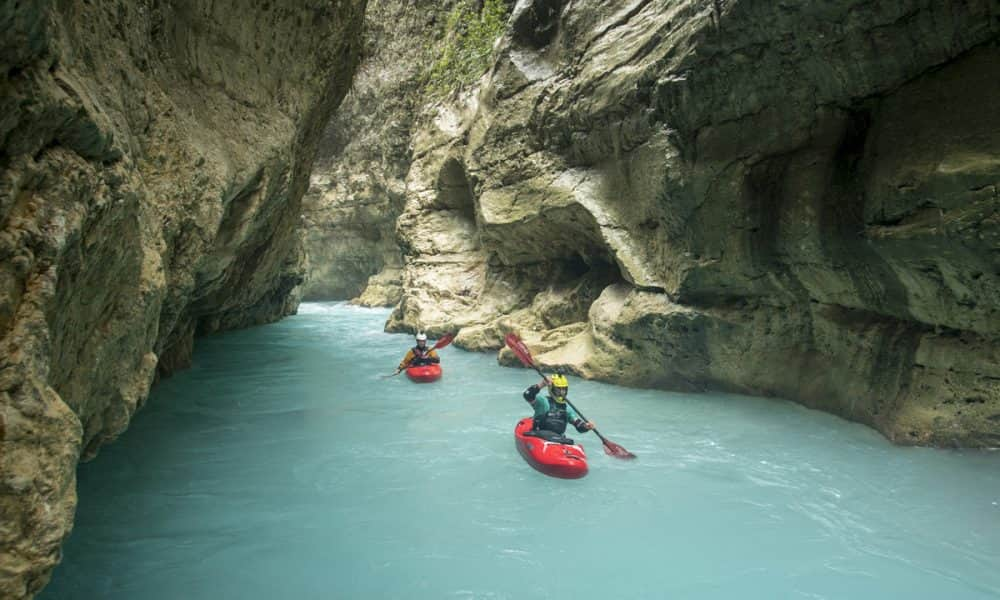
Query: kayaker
[[419, 355], [552, 413]]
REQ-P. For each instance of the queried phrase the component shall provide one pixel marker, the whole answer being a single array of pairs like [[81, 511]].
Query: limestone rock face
[[358, 184], [153, 160], [794, 199]]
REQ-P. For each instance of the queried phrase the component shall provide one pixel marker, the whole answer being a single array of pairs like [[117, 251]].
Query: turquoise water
[[282, 466]]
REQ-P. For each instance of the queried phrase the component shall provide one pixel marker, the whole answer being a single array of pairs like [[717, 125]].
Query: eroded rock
[[358, 184], [154, 155], [793, 200]]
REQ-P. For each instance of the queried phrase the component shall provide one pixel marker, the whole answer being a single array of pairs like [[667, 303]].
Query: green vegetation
[[469, 36]]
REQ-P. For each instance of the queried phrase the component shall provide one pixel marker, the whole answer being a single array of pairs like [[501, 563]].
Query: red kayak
[[552, 458], [424, 373]]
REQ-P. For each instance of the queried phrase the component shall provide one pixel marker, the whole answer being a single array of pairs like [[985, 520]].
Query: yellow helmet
[[560, 387]]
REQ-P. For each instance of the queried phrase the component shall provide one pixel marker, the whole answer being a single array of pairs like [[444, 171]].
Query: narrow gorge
[[793, 200], [797, 200]]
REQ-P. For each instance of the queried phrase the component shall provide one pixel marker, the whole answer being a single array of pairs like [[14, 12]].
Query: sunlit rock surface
[[358, 186], [781, 199]]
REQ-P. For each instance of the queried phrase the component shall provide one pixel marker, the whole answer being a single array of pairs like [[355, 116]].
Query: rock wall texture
[[358, 185], [790, 199], [153, 156]]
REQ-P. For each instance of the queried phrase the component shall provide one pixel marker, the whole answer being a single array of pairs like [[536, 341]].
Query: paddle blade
[[613, 449], [444, 341], [519, 349]]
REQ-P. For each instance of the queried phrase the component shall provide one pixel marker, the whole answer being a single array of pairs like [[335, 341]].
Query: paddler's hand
[[545, 383], [590, 425]]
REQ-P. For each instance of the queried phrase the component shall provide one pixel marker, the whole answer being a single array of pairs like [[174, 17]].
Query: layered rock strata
[[789, 199], [358, 184], [153, 160]]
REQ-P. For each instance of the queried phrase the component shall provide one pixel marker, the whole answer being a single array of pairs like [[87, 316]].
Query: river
[[283, 465]]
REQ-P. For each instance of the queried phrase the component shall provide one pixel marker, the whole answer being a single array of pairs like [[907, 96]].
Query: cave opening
[[454, 191]]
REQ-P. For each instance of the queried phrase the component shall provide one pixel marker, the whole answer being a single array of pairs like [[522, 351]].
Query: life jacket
[[555, 419], [418, 360]]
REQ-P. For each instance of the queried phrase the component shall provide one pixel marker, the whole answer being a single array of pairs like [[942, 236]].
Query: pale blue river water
[[282, 466]]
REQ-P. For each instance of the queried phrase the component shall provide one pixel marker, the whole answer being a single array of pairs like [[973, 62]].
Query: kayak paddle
[[441, 343], [522, 352]]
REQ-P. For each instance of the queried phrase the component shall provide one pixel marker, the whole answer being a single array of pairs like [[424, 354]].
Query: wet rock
[[154, 155], [781, 200], [358, 184]]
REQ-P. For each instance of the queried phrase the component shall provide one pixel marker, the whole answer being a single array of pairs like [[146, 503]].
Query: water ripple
[[282, 465]]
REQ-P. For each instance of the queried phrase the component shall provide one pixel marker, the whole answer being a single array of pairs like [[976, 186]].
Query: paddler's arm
[[581, 425], [531, 397], [433, 356], [406, 360], [532, 391]]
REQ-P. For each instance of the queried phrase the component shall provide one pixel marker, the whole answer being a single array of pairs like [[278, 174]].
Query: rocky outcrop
[[153, 159], [773, 198], [358, 184]]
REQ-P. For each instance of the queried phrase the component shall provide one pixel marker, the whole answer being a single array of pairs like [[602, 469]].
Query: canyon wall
[[153, 159], [795, 200], [358, 185]]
